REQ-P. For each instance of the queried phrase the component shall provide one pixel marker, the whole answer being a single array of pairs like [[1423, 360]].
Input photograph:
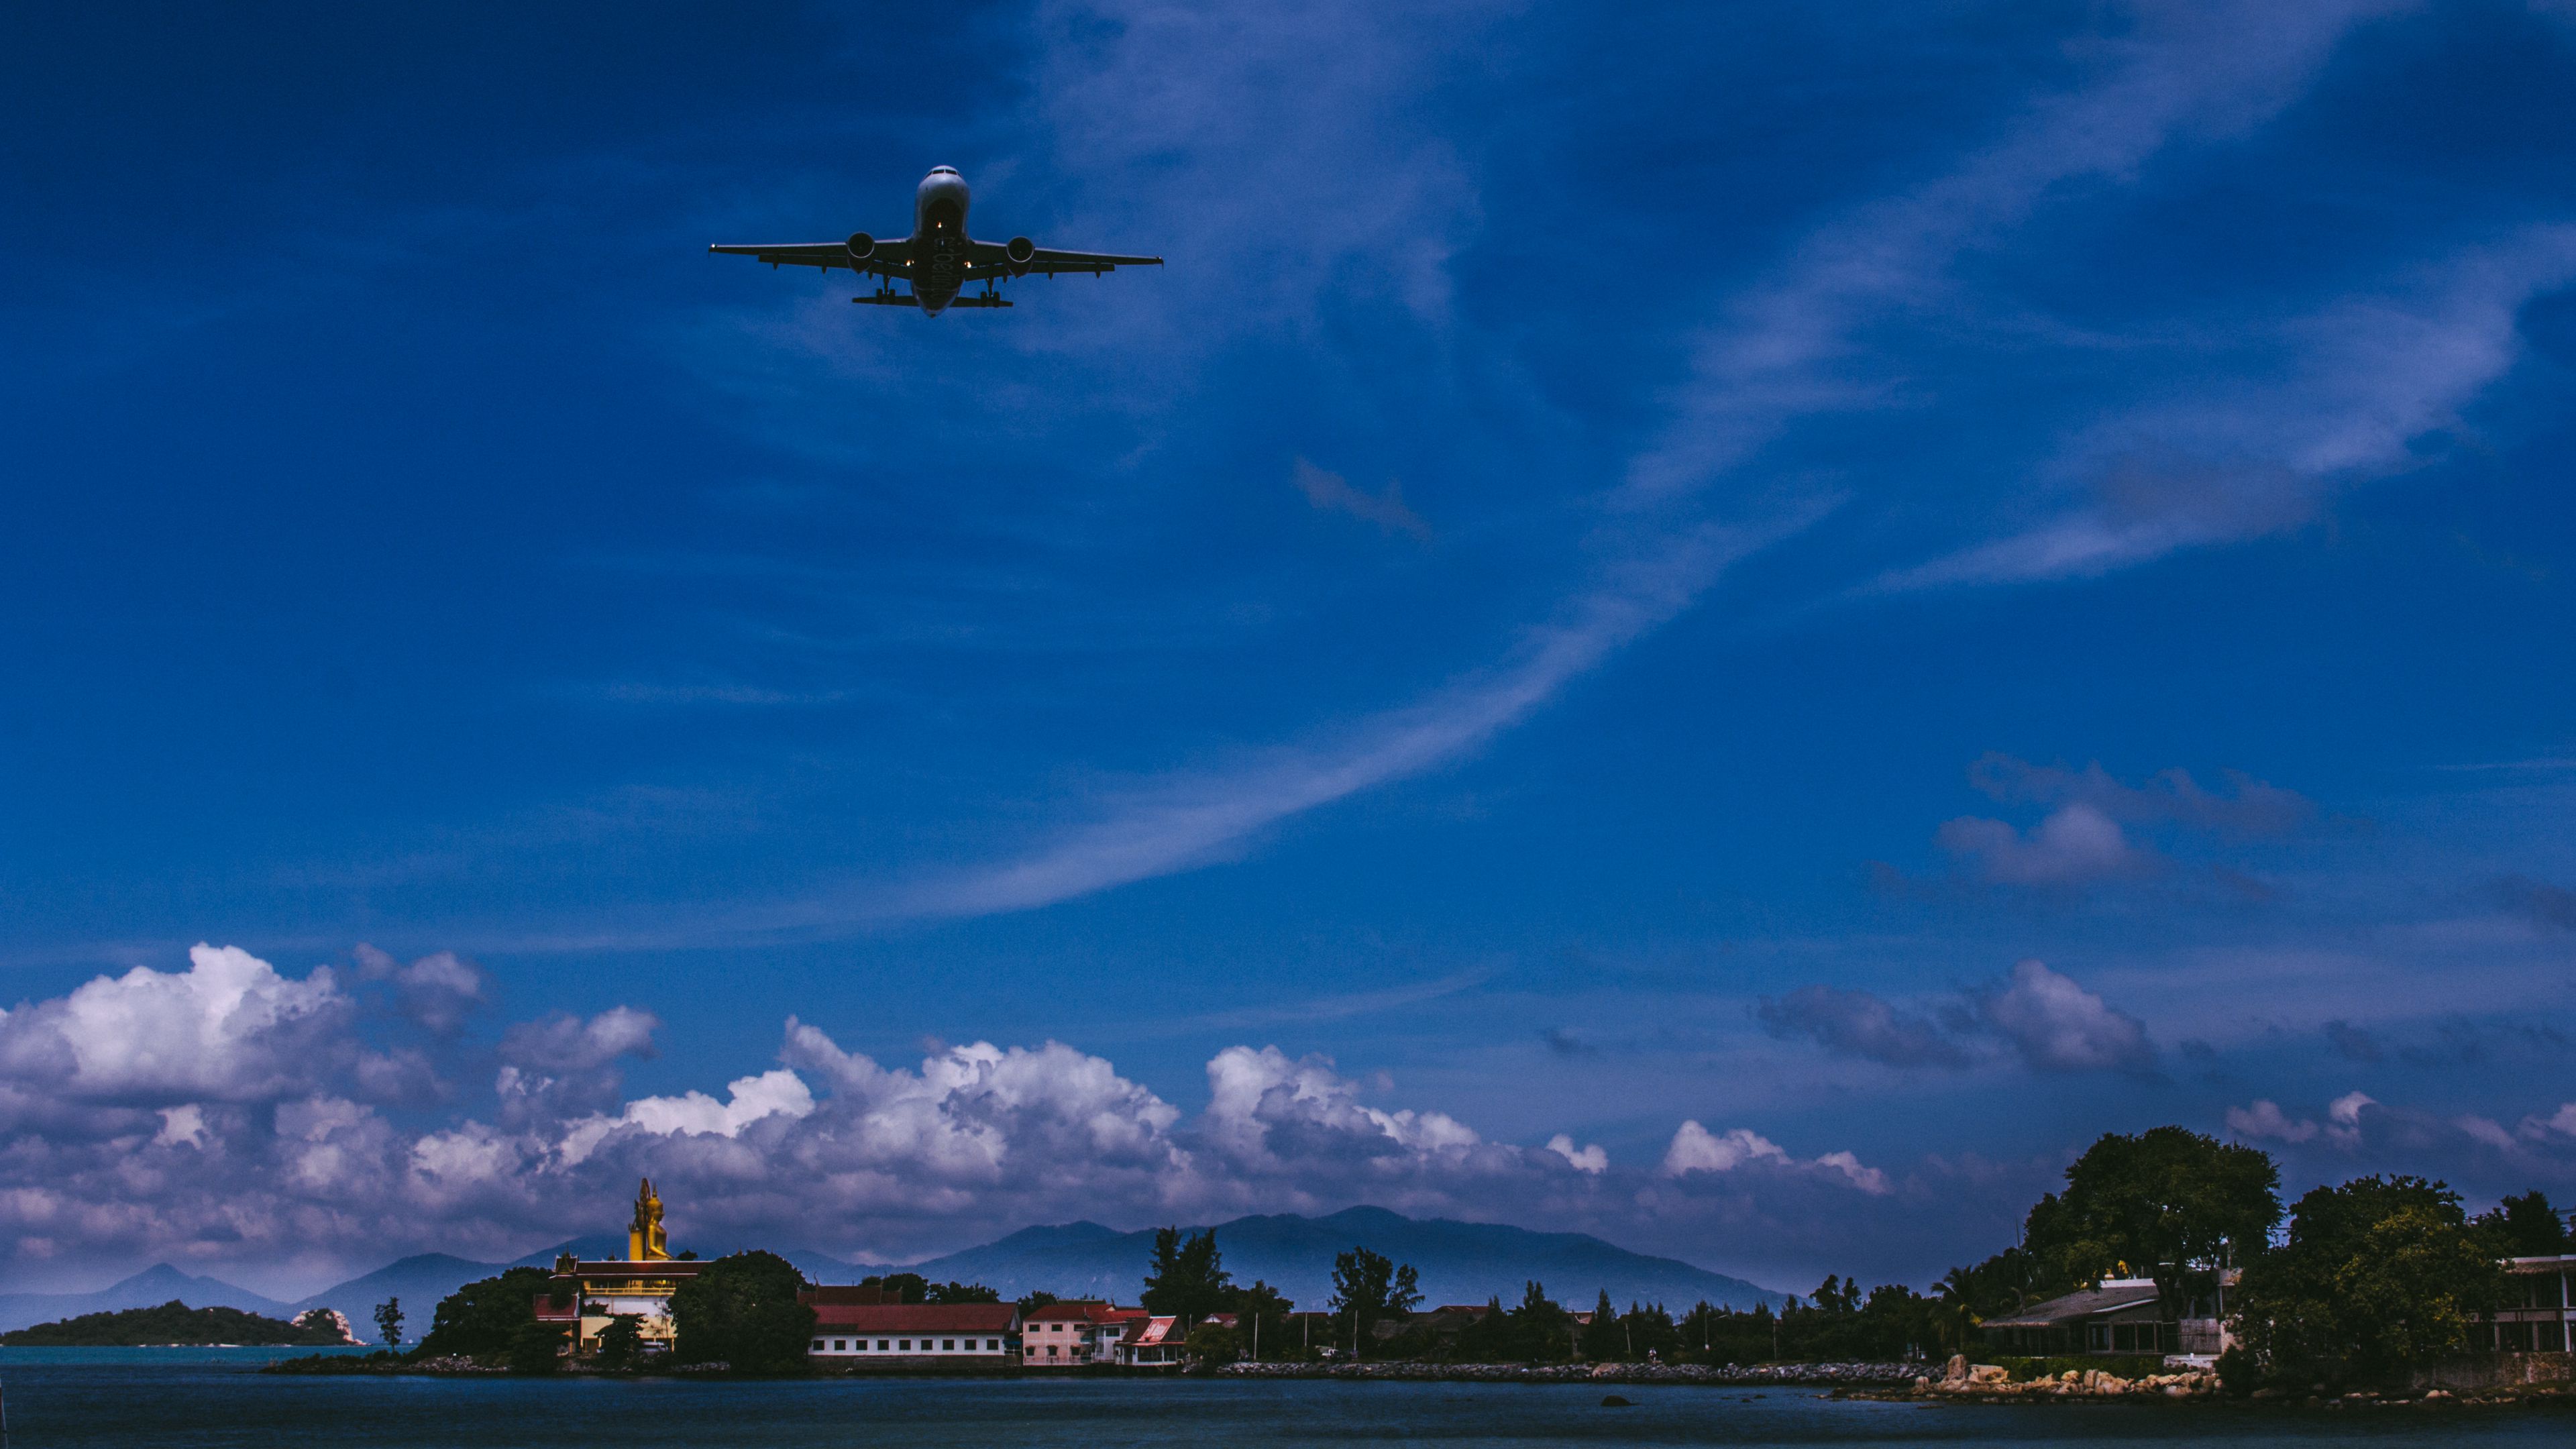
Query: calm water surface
[[118, 1397]]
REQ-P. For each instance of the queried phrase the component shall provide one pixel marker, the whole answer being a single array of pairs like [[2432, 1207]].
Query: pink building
[[1072, 1335]]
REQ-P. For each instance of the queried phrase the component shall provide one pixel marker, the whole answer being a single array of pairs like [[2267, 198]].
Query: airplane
[[938, 260]]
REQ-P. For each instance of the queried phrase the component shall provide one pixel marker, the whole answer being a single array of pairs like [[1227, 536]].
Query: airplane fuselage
[[932, 268], [939, 261]]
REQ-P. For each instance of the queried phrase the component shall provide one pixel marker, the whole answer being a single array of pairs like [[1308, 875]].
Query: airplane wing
[[1049, 261], [886, 260]]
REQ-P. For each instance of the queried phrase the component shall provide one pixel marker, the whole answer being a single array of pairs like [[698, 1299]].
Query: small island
[[175, 1323]]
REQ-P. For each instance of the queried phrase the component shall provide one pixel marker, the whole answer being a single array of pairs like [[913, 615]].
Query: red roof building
[[854, 1324], [1154, 1343]]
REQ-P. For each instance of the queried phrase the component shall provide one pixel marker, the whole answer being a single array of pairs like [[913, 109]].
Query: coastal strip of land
[[1851, 1375]]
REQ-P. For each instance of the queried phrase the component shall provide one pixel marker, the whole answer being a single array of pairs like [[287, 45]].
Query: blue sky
[[1631, 571]]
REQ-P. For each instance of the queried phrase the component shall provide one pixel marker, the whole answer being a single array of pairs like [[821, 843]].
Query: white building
[[892, 1332]]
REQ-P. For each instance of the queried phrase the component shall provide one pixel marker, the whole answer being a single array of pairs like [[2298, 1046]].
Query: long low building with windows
[[852, 1326], [2538, 1314], [2116, 1316]]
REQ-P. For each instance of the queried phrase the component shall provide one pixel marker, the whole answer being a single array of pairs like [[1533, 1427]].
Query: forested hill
[[1458, 1262], [173, 1322]]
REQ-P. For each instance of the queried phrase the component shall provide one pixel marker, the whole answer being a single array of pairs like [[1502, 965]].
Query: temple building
[[587, 1296]]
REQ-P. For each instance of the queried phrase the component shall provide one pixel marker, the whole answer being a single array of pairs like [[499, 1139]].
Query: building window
[[907, 1345], [818, 1345], [1050, 1350], [992, 1345]]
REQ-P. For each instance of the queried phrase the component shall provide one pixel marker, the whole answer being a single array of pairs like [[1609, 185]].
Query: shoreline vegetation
[[176, 1325], [2378, 1290]]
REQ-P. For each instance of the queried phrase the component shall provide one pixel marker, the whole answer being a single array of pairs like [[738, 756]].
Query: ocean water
[[120, 1397]]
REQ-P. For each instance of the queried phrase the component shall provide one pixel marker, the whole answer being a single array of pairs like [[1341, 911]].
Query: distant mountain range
[[1458, 1263], [419, 1281], [150, 1288]]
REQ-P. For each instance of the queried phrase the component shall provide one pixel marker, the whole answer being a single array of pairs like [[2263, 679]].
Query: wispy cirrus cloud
[[1332, 493], [1788, 348], [1780, 354], [1189, 820], [2300, 410]]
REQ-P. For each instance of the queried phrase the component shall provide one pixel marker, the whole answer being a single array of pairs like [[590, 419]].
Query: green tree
[[1698, 1331], [1187, 1279], [1649, 1332], [1213, 1344], [1602, 1339], [173, 1322], [389, 1321], [1368, 1289], [1035, 1299], [536, 1348], [1487, 1339], [2167, 1204], [742, 1310], [961, 1293], [2525, 1227], [1836, 1298], [1261, 1317], [1537, 1330], [899, 1287], [2377, 1275], [480, 1319], [621, 1343]]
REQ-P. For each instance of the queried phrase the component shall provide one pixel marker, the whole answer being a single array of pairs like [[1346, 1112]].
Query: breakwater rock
[[1990, 1382], [378, 1363], [1841, 1375]]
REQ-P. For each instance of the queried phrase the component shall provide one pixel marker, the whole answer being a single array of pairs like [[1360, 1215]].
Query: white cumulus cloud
[[228, 1028], [1589, 1159], [1695, 1149], [2059, 1026], [2265, 1120], [2075, 844]]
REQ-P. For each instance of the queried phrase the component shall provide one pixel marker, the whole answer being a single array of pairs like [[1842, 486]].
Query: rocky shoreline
[[1993, 1383], [1961, 1381], [1957, 1382], [1836, 1375]]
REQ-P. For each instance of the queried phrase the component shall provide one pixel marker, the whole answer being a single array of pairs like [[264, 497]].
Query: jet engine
[[861, 245], [1018, 250]]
